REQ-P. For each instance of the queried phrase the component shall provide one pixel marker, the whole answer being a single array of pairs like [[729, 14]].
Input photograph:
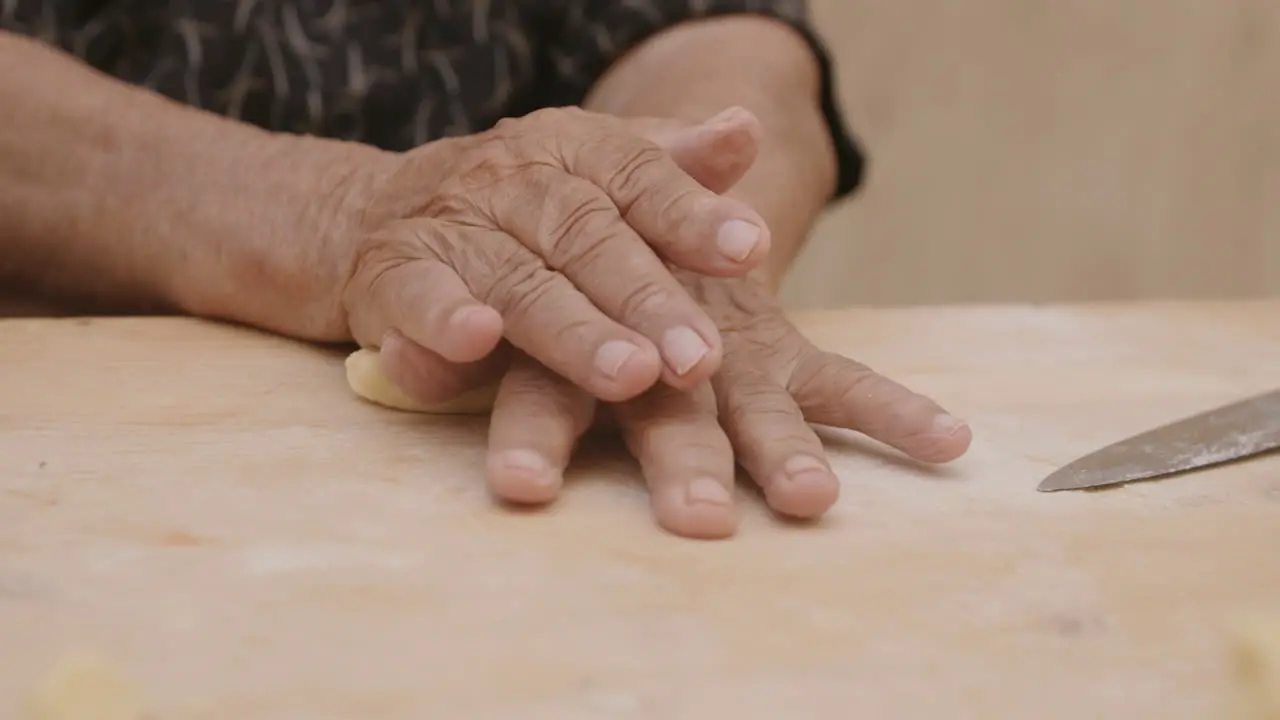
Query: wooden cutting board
[[212, 509]]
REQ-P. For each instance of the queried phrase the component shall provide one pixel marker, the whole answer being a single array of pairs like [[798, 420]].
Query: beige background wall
[[1034, 150]]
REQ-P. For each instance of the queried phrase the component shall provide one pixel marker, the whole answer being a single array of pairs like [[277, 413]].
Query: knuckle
[[520, 288], [475, 260], [380, 255], [556, 116], [528, 382], [743, 312], [762, 422], [572, 332], [478, 178], [378, 275], [818, 374], [673, 210], [765, 344], [755, 401], [455, 201], [489, 161], [548, 394], [534, 122], [836, 385], [541, 116], [671, 433], [749, 328], [633, 168], [541, 123], [493, 148], [511, 124], [644, 299], [534, 388], [860, 385], [575, 233]]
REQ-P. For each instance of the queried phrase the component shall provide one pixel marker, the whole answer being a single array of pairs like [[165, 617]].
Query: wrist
[[275, 238], [115, 198]]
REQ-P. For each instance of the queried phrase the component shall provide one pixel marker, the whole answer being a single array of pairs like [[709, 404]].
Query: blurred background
[[1053, 151]]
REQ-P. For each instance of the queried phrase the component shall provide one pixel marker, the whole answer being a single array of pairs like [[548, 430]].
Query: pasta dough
[[83, 686], [365, 376], [1256, 650]]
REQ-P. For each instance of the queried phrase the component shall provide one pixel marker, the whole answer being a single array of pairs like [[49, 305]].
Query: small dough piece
[[83, 686], [365, 376], [1256, 668]]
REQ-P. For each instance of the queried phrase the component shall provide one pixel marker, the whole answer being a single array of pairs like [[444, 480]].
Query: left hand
[[771, 384]]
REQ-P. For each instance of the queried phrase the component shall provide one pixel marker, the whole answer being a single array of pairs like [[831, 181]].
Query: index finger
[[686, 223]]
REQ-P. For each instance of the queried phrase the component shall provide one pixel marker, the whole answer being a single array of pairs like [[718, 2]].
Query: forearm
[[114, 195], [697, 69]]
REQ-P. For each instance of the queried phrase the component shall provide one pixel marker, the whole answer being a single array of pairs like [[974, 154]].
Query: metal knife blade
[[1235, 431]]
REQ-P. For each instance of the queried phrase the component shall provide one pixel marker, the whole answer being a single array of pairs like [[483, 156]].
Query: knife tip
[[1053, 483]]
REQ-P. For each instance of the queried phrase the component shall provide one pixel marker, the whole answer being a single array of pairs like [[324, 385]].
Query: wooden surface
[[1029, 150], [212, 509]]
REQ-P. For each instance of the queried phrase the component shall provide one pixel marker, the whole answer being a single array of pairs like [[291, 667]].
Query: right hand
[[552, 230]]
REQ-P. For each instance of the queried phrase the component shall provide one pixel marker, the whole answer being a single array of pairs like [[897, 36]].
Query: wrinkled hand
[[756, 411], [553, 231]]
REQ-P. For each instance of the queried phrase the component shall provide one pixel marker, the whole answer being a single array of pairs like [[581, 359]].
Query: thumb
[[428, 378], [717, 152]]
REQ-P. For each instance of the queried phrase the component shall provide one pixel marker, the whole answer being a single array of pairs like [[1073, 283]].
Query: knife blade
[[1231, 432]]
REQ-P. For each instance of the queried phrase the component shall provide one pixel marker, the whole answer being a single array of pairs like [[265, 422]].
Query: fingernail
[[683, 348], [613, 355], [800, 465], [528, 463], [737, 238], [706, 491], [945, 424]]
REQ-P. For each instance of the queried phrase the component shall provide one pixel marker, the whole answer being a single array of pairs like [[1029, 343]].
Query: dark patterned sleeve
[[592, 34]]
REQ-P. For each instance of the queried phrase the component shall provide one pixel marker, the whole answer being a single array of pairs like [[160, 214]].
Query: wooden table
[[213, 509]]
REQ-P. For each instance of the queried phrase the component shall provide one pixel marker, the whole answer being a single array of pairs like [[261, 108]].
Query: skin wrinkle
[[528, 294], [809, 379], [667, 210], [576, 229], [625, 174], [742, 405], [385, 269], [522, 277], [642, 300], [662, 404], [528, 390], [577, 245]]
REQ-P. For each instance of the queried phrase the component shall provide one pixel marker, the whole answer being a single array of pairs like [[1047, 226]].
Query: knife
[[1231, 432]]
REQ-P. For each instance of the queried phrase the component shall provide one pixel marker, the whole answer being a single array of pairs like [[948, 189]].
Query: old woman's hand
[[553, 231], [755, 412]]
